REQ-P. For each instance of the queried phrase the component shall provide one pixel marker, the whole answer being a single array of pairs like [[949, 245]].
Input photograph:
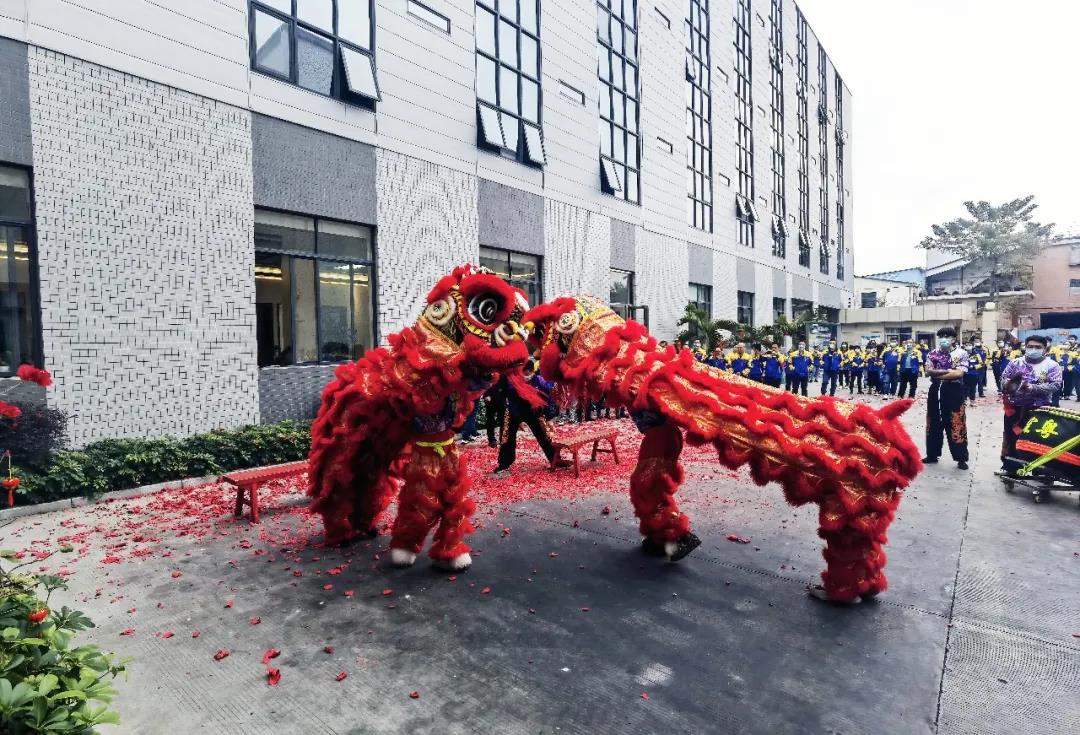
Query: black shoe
[[929, 460], [651, 548], [962, 465], [684, 545]]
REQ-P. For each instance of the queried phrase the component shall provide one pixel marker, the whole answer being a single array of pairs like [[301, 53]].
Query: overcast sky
[[954, 100]]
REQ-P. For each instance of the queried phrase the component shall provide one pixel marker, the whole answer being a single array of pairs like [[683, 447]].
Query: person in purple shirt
[[945, 406], [1027, 383]]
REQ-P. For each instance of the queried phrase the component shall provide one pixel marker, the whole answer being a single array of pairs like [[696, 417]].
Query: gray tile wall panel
[[701, 264], [779, 289], [744, 274], [311, 172], [801, 288], [292, 392], [829, 296], [623, 243], [511, 218], [15, 146]]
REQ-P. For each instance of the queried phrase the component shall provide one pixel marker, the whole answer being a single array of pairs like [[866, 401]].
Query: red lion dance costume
[[387, 420], [849, 458]]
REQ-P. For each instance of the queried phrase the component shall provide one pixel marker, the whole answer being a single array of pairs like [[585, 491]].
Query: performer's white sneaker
[[402, 557], [818, 593], [459, 563]]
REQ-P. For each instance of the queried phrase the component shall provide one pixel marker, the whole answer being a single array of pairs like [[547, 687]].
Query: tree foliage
[[714, 332], [1004, 238]]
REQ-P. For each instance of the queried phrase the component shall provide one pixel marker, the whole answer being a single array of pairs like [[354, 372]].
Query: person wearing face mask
[[831, 361], [909, 365], [998, 360], [1067, 359], [890, 369], [984, 357], [973, 366], [845, 364], [800, 362], [1027, 383], [946, 411]]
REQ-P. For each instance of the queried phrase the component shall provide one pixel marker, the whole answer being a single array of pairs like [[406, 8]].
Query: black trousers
[[798, 384], [910, 381], [508, 448], [854, 379], [982, 382], [997, 377], [894, 381], [828, 378], [774, 382], [971, 384], [1015, 418], [1069, 383], [946, 419], [496, 410]]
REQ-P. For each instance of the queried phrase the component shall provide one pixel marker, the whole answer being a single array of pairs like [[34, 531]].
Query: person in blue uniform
[[757, 365], [831, 360], [800, 363], [773, 366]]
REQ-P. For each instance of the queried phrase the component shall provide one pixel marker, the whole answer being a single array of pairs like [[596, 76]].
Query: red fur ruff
[[849, 458], [435, 492], [656, 477], [363, 426]]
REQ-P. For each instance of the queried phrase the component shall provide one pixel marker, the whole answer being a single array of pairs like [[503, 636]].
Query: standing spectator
[[972, 368], [1027, 383], [717, 360], [1062, 355], [890, 369], [873, 371], [739, 360], [757, 364], [910, 364], [999, 358], [698, 350], [984, 357], [1070, 381], [856, 368], [946, 411], [773, 366], [799, 364], [679, 346], [830, 369], [845, 364]]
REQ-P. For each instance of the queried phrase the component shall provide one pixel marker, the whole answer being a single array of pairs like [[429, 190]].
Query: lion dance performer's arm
[[850, 459]]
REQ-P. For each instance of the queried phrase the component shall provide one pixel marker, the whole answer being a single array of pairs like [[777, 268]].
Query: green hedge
[[119, 464]]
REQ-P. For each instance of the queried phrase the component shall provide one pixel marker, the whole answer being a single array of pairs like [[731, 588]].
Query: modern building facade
[[204, 206]]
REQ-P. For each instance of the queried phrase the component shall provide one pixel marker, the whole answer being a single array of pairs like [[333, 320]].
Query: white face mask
[[1033, 353], [944, 343]]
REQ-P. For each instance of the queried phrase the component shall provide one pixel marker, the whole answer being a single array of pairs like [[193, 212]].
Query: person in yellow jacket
[[738, 360]]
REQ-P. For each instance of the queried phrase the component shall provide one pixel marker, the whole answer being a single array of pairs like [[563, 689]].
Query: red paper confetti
[[177, 574], [328, 586], [195, 634], [737, 539], [222, 653], [387, 592], [414, 695], [273, 676], [127, 631], [341, 676], [645, 696], [485, 591], [349, 593], [228, 603], [586, 609], [328, 649], [165, 634], [255, 620], [271, 653]]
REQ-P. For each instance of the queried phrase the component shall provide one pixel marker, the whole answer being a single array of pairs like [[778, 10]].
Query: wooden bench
[[248, 482], [574, 444]]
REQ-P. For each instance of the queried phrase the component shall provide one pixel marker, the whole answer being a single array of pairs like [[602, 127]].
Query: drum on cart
[[1047, 454]]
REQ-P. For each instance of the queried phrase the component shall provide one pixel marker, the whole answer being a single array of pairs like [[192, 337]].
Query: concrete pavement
[[562, 626]]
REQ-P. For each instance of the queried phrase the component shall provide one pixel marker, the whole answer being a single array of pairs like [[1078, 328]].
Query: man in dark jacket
[[830, 369], [521, 411]]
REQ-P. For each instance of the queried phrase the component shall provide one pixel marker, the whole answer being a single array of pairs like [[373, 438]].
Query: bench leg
[[577, 464], [254, 494], [239, 509], [595, 448], [614, 452]]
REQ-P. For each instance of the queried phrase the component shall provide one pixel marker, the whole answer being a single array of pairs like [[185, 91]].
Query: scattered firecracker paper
[[222, 653], [271, 653], [328, 649], [273, 676], [341, 676], [414, 695]]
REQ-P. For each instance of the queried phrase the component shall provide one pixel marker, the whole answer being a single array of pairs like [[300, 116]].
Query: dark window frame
[[840, 140], [825, 249], [629, 188], [744, 310], [316, 258], [782, 311], [702, 290], [803, 120], [539, 281], [744, 118], [699, 121], [37, 341], [779, 161], [338, 86], [521, 152], [629, 287], [863, 299]]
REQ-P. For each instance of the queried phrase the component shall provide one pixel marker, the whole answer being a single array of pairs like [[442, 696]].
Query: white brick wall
[[577, 251], [144, 227], [662, 274], [428, 223], [725, 287]]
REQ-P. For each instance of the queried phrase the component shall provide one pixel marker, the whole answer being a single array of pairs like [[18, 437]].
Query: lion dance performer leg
[[387, 420], [850, 459]]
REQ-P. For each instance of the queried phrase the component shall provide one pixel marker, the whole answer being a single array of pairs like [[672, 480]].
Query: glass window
[[354, 22], [779, 308], [701, 297], [699, 115], [14, 194], [318, 306], [276, 231], [745, 307], [519, 269], [490, 129], [508, 72], [310, 30], [271, 44], [616, 31], [534, 145], [360, 73], [622, 287], [314, 61]]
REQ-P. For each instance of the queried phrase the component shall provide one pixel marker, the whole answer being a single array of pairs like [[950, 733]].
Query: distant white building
[[877, 290]]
